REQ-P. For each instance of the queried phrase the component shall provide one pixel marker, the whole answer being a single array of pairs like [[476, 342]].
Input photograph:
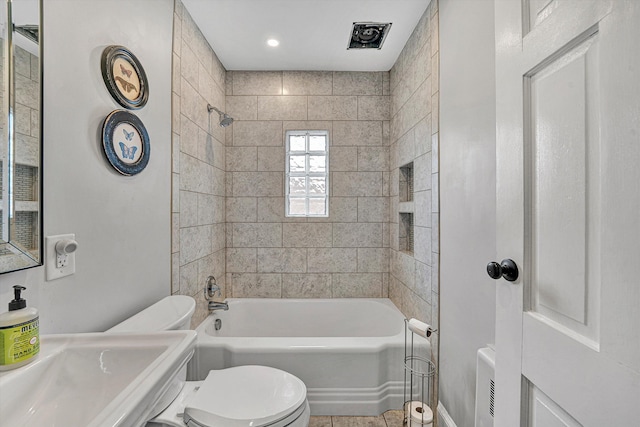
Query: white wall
[[467, 196], [122, 224]]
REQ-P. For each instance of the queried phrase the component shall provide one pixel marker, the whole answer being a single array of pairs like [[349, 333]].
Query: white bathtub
[[348, 352]]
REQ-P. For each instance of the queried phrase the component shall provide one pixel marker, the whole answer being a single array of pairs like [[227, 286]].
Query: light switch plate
[[67, 262]]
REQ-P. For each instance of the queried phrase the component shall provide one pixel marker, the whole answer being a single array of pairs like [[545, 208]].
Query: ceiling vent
[[368, 35], [31, 32]]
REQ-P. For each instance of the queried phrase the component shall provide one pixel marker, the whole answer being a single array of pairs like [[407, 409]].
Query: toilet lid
[[247, 396]]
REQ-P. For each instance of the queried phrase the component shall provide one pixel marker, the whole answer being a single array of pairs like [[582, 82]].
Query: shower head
[[225, 119]]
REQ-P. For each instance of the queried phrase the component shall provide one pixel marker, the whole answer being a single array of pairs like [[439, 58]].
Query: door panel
[[536, 11], [594, 389], [547, 413], [562, 141], [568, 193]]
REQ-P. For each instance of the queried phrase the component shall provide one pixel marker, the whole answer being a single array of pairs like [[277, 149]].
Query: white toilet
[[244, 396]]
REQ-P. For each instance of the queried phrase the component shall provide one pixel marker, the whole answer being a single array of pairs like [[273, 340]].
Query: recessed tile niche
[[405, 183], [405, 222], [25, 219], [405, 234]]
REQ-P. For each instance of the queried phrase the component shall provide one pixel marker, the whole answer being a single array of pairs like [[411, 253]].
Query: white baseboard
[[444, 419]]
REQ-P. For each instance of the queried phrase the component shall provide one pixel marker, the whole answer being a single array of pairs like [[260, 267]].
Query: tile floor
[[388, 419]]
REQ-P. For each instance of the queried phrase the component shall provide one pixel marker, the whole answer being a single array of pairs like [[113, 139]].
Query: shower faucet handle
[[211, 287]]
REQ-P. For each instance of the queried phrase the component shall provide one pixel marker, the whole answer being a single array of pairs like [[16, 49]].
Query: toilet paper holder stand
[[419, 373]]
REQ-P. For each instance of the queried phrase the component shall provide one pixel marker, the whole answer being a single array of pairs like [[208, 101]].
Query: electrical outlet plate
[[58, 266]]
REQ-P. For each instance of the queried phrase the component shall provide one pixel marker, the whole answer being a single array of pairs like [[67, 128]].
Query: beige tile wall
[[414, 277], [414, 138], [198, 167], [270, 255], [228, 185], [26, 116]]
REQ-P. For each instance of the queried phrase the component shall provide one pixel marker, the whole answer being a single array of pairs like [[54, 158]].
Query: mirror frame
[[16, 256]]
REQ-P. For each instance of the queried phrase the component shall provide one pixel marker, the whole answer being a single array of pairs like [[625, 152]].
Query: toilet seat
[[246, 396], [243, 396]]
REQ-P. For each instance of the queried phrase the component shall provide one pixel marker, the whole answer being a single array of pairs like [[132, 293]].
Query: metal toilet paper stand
[[418, 374]]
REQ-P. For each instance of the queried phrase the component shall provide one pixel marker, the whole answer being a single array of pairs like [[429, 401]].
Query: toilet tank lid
[[167, 314]]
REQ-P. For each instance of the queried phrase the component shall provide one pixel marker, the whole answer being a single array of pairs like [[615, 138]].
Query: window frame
[[307, 173]]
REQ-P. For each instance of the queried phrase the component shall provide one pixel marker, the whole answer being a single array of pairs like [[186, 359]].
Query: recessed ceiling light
[[273, 42]]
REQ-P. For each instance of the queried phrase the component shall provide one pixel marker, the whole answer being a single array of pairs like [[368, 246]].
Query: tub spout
[[213, 306]]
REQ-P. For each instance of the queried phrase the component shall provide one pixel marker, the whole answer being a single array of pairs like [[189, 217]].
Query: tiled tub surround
[[344, 255], [198, 195], [414, 277], [228, 185]]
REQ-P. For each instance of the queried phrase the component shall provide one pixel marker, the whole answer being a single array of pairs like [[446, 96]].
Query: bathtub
[[348, 352]]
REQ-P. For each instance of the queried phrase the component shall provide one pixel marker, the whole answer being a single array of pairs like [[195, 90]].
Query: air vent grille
[[492, 393], [368, 35], [31, 32], [485, 388]]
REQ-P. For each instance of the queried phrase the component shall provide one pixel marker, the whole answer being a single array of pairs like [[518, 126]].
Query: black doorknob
[[507, 269]]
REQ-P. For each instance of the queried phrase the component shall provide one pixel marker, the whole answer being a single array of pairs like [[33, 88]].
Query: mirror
[[20, 130]]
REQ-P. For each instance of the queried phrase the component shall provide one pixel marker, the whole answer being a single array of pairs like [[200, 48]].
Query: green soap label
[[19, 342]]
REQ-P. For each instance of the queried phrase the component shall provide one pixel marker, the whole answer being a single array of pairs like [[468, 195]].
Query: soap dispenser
[[19, 335]]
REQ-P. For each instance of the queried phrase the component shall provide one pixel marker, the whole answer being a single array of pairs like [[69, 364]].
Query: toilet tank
[[170, 313]]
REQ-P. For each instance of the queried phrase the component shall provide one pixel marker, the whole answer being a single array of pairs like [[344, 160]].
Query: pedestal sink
[[94, 380]]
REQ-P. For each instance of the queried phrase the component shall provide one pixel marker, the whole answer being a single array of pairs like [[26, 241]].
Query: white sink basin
[[94, 380]]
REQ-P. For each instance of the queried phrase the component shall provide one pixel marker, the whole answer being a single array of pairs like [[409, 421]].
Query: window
[[307, 173]]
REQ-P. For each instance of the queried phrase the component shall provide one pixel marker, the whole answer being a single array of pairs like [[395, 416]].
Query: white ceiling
[[313, 34]]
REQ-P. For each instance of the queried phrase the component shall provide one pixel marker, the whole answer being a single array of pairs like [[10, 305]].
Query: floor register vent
[[485, 387], [492, 393]]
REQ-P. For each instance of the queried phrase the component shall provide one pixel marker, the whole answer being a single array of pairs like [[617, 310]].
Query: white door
[[568, 190]]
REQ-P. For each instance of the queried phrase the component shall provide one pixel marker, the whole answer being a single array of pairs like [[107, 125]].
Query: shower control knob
[[507, 269]]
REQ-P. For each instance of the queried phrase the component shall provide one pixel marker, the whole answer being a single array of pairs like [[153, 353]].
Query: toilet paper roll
[[420, 415], [420, 328]]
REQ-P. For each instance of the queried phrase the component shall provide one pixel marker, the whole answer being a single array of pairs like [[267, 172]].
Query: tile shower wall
[[198, 153], [414, 277], [270, 255], [27, 126], [414, 139]]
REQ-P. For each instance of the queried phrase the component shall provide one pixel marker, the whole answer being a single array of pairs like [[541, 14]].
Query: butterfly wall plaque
[[125, 142], [125, 78]]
